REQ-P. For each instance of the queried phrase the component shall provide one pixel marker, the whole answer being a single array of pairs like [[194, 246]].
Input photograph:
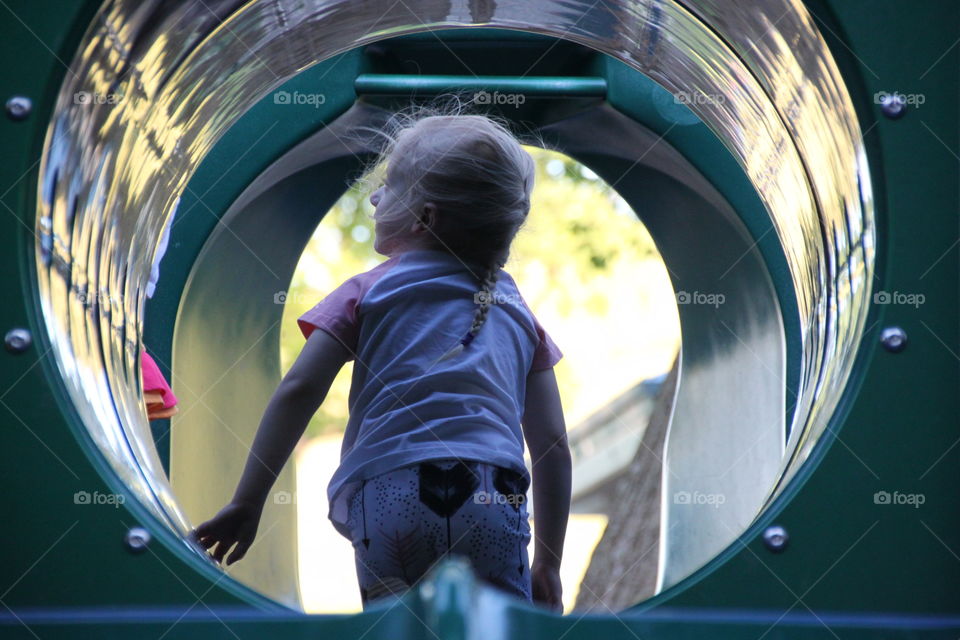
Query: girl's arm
[[545, 431], [298, 397]]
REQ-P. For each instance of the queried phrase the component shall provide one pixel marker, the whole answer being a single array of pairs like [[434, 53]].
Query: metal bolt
[[428, 590], [894, 339], [776, 538], [893, 105], [137, 539], [18, 340], [19, 107]]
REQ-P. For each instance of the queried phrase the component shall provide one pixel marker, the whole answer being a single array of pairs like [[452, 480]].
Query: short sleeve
[[547, 352], [337, 314]]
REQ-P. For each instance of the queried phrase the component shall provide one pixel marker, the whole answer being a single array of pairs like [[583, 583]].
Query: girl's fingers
[[238, 552], [207, 542], [222, 549], [204, 529]]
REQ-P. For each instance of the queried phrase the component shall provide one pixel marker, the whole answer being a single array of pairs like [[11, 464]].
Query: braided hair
[[484, 299]]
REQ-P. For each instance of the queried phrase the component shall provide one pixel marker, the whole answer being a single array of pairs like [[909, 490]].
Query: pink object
[[153, 381], [339, 313]]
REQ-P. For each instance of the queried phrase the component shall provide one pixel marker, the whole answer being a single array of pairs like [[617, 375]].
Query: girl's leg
[[387, 536], [500, 531], [488, 520], [404, 521]]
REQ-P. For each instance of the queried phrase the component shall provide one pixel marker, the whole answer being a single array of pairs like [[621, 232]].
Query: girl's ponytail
[[484, 298]]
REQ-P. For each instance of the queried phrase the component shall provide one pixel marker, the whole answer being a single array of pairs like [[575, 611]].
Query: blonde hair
[[481, 184]]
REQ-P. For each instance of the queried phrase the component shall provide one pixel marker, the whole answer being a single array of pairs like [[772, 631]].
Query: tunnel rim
[[43, 321]]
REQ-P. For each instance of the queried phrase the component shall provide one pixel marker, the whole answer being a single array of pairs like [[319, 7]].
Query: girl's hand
[[547, 589], [236, 523]]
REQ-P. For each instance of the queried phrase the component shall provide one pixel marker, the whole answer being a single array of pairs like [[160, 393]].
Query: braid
[[484, 298]]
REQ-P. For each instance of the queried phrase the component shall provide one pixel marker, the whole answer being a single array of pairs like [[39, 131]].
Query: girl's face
[[386, 233], [392, 235]]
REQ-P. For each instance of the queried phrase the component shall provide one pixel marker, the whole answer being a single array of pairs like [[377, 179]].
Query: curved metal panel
[[725, 441], [228, 331]]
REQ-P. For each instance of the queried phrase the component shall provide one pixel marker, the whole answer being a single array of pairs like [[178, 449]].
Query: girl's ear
[[427, 218]]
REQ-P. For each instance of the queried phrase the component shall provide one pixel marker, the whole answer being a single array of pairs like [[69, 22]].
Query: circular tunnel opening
[[792, 252], [592, 275], [695, 229]]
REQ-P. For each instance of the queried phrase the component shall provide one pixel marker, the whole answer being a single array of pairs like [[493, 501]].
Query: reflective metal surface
[[184, 72], [725, 441]]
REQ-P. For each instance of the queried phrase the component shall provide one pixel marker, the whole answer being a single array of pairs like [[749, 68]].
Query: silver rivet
[[893, 339], [19, 107], [893, 105], [775, 538], [137, 539], [18, 340], [428, 590]]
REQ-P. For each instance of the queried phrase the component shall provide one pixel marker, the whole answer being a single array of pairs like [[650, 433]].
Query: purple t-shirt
[[397, 319]]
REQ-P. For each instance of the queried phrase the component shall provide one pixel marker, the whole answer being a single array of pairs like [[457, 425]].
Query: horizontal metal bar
[[541, 86]]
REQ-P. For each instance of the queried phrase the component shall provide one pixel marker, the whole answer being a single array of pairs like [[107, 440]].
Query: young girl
[[452, 373]]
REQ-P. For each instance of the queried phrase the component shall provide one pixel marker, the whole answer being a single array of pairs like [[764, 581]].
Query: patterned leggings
[[404, 521]]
